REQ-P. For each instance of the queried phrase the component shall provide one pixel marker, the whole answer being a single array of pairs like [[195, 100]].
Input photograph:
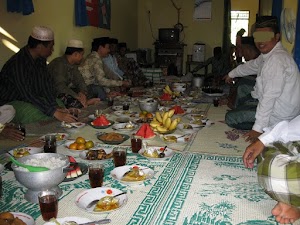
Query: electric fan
[[288, 24]]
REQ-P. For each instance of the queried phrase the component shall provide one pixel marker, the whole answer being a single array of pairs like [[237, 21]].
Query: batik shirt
[[93, 73], [24, 79], [67, 77], [277, 86]]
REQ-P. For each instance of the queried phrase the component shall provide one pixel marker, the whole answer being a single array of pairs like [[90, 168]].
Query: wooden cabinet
[[169, 53]]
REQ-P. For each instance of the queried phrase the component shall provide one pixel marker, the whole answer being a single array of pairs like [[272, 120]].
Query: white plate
[[181, 138], [31, 150], [214, 94], [121, 127], [24, 217], [193, 110], [117, 107], [61, 137], [118, 172], [76, 219], [196, 127], [1, 168], [196, 116], [92, 116], [126, 113], [87, 196], [67, 143], [168, 152], [108, 149]]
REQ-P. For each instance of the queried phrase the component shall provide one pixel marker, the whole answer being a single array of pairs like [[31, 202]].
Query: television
[[168, 35]]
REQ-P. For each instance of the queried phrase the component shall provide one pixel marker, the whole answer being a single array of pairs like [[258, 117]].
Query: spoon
[[92, 203], [162, 154], [30, 168]]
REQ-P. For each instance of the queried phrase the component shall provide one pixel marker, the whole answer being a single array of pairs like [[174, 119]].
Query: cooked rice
[[50, 163]]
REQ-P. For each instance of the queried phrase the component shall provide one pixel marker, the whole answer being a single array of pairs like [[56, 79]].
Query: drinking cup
[[136, 144], [48, 201], [96, 174], [216, 102], [126, 106], [50, 144], [21, 128], [110, 101], [119, 156]]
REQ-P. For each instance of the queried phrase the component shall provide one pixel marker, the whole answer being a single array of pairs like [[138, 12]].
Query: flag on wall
[[95, 13], [20, 6]]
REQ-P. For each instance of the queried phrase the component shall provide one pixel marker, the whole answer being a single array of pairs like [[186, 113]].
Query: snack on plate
[[97, 155], [145, 131], [152, 153], [170, 138], [106, 204], [178, 109], [111, 137], [60, 137], [76, 171], [166, 97], [101, 121], [8, 218], [135, 174], [20, 152]]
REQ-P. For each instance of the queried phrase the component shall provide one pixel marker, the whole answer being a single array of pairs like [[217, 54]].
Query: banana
[[165, 91], [168, 89], [171, 112], [162, 129], [158, 117], [165, 117], [168, 122], [178, 119], [154, 119], [154, 124], [173, 124]]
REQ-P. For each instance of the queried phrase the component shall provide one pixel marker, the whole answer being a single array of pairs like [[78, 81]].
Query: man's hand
[[252, 151], [228, 79], [82, 98], [252, 136], [12, 133], [64, 116]]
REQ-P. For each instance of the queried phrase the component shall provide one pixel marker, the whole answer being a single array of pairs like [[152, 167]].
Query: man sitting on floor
[[26, 84], [277, 85], [278, 167], [68, 81], [92, 70]]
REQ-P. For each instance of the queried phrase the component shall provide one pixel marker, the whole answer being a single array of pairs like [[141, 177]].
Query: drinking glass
[[216, 102], [119, 156], [110, 101], [96, 174], [50, 144], [126, 106], [136, 144], [48, 201]]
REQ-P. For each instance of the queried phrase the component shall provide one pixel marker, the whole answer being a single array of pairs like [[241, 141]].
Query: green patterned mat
[[190, 188]]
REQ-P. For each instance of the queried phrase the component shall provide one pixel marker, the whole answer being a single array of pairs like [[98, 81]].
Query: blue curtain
[[297, 39], [81, 17], [227, 27], [20, 6], [276, 9]]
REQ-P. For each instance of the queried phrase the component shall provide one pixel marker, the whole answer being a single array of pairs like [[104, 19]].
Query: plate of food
[[63, 220], [60, 137], [112, 138], [80, 144], [99, 154], [72, 125], [17, 218], [196, 116], [176, 138], [79, 169], [101, 126], [125, 127], [132, 174], [190, 128], [193, 110], [84, 198], [127, 113], [23, 151], [156, 153]]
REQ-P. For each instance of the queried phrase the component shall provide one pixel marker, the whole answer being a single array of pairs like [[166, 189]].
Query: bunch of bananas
[[162, 122], [168, 90]]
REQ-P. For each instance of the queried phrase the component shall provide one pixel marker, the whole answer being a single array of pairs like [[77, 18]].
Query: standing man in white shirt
[[279, 167], [277, 85]]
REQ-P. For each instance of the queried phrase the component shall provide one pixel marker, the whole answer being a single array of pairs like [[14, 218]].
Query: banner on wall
[[95, 13], [202, 10]]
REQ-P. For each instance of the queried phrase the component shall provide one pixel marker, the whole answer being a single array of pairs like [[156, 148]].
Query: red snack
[[101, 121], [166, 97], [145, 131], [178, 109]]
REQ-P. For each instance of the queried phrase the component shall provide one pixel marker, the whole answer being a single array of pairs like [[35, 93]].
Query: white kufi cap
[[75, 44], [42, 33]]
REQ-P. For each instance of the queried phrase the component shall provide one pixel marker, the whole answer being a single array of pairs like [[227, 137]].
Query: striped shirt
[[24, 79]]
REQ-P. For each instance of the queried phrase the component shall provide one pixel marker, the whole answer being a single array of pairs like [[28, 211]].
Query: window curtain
[[81, 17], [20, 6], [297, 38], [276, 9], [227, 26]]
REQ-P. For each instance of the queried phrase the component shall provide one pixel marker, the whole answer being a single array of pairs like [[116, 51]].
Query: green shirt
[[67, 77]]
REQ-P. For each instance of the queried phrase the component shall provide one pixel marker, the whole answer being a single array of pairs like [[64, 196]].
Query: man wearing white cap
[[26, 84], [69, 84]]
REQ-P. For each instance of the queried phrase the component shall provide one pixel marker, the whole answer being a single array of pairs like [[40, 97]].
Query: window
[[239, 20]]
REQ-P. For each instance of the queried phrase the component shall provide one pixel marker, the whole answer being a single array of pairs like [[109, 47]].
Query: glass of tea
[[119, 156], [136, 144], [96, 174], [50, 144], [48, 201], [126, 106], [110, 101]]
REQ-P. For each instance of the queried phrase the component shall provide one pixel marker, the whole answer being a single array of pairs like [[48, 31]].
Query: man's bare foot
[[285, 213], [93, 101]]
